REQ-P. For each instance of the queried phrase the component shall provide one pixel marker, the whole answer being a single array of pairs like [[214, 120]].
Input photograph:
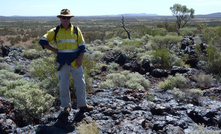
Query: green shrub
[[26, 95], [161, 57], [19, 68], [135, 42], [186, 31], [167, 41], [113, 67], [201, 129], [165, 59], [107, 83], [214, 59], [91, 128], [43, 68], [178, 94], [88, 65], [145, 38], [172, 28], [103, 48], [211, 34], [97, 56], [31, 54], [97, 41], [144, 55], [195, 93], [2, 59], [203, 80], [125, 79], [177, 81], [174, 60], [158, 32], [117, 49], [5, 66], [32, 101]]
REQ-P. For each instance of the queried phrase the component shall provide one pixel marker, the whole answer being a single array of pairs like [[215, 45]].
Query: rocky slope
[[122, 110]]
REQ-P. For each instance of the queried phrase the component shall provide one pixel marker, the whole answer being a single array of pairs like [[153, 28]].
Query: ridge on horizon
[[217, 14]]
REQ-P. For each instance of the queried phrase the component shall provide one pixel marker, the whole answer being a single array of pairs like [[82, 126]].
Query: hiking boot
[[64, 114], [86, 108]]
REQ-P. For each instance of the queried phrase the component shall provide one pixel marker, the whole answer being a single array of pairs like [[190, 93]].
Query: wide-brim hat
[[65, 13]]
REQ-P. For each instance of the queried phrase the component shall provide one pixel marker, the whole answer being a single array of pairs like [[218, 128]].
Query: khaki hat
[[65, 13]]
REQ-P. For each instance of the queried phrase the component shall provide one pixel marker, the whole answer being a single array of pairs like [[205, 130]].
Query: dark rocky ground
[[126, 111]]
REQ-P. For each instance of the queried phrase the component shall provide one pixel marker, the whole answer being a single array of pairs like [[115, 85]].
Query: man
[[70, 51]]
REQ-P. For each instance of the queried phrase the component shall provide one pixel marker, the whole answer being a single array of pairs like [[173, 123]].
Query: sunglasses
[[66, 18]]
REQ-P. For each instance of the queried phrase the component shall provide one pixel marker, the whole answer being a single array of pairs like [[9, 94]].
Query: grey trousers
[[79, 81]]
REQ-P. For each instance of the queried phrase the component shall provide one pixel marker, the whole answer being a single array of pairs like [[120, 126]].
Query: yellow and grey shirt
[[69, 44]]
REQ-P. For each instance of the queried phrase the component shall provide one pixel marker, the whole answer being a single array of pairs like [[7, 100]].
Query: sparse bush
[[43, 68], [97, 56], [161, 57], [188, 94], [145, 38], [97, 42], [5, 66], [88, 65], [130, 45], [175, 60], [32, 101], [117, 49], [214, 59], [177, 81], [107, 83], [195, 93], [178, 94], [135, 42], [172, 28], [165, 59], [103, 48], [125, 79], [19, 68], [91, 128], [113, 67], [201, 129], [26, 95], [31, 54], [146, 54], [158, 31], [187, 31], [167, 41], [203, 80]]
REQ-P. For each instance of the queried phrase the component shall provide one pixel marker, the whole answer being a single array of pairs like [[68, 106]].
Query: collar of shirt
[[63, 27]]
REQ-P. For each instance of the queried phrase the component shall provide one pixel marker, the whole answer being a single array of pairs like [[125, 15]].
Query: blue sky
[[103, 7]]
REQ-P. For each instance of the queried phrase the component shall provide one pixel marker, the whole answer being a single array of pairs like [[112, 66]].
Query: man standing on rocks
[[70, 50]]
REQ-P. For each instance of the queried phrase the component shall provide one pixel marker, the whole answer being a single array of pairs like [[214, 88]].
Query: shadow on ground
[[61, 126]]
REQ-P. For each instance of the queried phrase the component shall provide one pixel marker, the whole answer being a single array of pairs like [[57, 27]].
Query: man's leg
[[63, 76], [80, 85]]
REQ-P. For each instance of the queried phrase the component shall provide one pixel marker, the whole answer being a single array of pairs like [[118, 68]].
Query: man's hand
[[79, 60]]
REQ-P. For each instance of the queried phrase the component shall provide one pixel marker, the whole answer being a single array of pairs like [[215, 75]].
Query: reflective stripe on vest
[[68, 50], [67, 40], [81, 44]]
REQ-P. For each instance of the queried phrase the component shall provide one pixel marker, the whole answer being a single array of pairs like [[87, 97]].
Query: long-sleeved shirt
[[69, 44]]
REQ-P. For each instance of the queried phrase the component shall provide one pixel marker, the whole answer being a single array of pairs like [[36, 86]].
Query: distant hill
[[212, 15], [139, 14]]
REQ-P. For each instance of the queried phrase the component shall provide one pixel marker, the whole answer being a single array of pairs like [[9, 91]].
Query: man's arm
[[49, 47]]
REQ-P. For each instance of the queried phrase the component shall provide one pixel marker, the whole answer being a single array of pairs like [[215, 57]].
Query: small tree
[[182, 14], [123, 25]]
